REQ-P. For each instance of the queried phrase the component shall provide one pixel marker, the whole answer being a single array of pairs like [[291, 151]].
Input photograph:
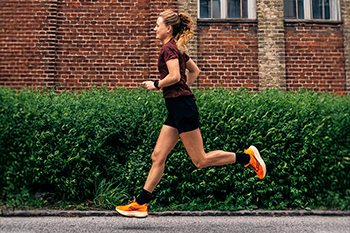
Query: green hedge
[[17, 143], [65, 145]]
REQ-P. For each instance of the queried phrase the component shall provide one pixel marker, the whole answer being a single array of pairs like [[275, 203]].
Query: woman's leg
[[167, 140], [193, 143]]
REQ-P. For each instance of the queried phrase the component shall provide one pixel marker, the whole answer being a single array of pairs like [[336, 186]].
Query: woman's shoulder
[[170, 49], [171, 45]]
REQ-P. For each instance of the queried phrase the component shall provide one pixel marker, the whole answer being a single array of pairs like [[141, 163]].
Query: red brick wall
[[315, 57], [107, 43], [26, 49], [156, 8], [79, 43], [228, 54]]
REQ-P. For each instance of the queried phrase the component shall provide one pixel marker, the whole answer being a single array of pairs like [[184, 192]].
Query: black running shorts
[[182, 114]]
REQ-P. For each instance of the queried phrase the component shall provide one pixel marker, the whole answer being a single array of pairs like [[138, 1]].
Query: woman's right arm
[[193, 72]]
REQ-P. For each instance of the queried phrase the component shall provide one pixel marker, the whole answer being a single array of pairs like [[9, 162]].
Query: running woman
[[174, 31]]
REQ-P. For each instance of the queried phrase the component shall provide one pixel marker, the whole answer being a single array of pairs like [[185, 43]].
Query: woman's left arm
[[193, 72], [172, 78]]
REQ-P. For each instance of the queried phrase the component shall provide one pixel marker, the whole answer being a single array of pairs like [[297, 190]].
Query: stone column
[[190, 7], [271, 43], [345, 11]]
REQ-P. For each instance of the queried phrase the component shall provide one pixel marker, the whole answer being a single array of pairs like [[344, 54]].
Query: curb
[[268, 213], [89, 213]]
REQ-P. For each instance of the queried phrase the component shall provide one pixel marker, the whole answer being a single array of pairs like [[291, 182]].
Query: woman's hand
[[149, 85]]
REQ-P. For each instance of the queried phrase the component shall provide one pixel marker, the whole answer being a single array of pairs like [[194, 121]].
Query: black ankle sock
[[242, 158], [144, 197]]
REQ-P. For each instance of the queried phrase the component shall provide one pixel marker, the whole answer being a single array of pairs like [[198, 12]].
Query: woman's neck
[[166, 40]]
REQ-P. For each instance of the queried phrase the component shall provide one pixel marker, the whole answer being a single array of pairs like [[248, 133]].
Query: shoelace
[[250, 166], [130, 202]]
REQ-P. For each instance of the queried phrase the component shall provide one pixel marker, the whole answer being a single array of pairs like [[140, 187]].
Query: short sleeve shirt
[[170, 51]]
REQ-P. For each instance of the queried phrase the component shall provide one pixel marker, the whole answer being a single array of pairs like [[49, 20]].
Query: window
[[312, 9], [320, 9], [232, 9], [237, 9], [294, 9]]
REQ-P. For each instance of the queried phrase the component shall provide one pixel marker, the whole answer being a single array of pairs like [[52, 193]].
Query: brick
[[227, 57], [271, 44], [112, 43], [319, 64]]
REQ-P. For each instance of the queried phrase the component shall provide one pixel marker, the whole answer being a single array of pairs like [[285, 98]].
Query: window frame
[[223, 8]]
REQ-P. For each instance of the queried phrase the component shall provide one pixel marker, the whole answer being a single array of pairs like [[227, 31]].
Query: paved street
[[179, 224]]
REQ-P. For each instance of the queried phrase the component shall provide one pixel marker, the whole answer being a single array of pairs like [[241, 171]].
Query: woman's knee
[[158, 157], [199, 162]]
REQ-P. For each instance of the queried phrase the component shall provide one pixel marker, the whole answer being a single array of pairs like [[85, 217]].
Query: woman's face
[[161, 30]]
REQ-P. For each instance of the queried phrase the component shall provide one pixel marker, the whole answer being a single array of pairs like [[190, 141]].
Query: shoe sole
[[136, 214], [260, 160]]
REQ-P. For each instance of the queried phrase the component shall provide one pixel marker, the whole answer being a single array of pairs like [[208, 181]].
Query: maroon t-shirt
[[170, 51]]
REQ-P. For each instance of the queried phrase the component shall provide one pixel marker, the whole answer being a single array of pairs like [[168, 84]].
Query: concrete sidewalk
[[81, 213]]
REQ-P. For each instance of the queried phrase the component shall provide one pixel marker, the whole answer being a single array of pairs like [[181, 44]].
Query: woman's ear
[[169, 29]]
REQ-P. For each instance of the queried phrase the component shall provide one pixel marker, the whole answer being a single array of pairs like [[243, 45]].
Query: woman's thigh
[[193, 143], [167, 140]]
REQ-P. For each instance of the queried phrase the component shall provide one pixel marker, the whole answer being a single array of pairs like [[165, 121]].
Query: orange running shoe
[[133, 209], [256, 163]]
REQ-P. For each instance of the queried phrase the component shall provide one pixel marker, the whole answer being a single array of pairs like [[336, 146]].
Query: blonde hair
[[182, 27]]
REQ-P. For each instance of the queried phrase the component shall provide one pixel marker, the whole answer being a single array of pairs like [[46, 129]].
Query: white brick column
[[271, 43]]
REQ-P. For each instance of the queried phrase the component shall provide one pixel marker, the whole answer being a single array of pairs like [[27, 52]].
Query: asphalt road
[[178, 224]]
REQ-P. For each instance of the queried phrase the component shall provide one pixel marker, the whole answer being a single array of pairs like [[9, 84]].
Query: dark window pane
[[233, 9], [245, 8], [317, 9], [289, 9], [300, 9], [326, 10], [205, 9], [216, 9]]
